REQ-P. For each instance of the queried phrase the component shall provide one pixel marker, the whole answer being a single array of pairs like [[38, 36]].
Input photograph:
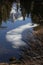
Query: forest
[[35, 7]]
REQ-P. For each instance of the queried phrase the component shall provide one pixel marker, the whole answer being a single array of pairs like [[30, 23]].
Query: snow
[[15, 35]]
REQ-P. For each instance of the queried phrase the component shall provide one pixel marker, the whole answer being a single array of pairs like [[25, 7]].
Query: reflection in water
[[19, 12], [15, 35]]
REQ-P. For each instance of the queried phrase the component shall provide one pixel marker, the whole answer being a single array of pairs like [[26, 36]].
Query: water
[[12, 34], [10, 37]]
